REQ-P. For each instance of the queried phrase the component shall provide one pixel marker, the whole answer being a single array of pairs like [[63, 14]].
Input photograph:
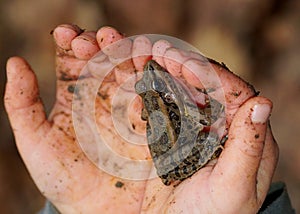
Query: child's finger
[[23, 104], [242, 156]]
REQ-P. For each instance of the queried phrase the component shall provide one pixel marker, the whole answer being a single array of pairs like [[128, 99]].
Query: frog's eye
[[169, 98], [140, 87], [158, 84]]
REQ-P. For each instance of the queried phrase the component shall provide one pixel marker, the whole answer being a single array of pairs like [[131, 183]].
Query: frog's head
[[153, 79]]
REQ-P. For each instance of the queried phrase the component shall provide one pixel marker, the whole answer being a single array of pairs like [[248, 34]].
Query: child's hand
[[236, 183]]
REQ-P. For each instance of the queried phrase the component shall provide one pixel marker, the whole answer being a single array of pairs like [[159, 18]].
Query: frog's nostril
[[150, 65]]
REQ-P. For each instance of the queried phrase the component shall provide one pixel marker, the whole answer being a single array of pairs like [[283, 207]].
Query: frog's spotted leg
[[197, 158], [198, 155]]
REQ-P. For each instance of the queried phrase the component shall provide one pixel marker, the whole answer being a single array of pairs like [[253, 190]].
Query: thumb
[[244, 148], [23, 105]]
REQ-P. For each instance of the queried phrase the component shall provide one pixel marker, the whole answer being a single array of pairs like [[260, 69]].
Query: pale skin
[[237, 182]]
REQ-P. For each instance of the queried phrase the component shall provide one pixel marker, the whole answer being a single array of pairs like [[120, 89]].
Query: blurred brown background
[[259, 40]]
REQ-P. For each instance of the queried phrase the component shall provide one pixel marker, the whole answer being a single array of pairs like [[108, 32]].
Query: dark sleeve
[[49, 209], [277, 201]]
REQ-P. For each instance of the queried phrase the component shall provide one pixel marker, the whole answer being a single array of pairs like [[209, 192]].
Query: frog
[[177, 129]]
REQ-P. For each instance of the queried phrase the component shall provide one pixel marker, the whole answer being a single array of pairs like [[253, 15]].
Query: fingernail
[[260, 113]]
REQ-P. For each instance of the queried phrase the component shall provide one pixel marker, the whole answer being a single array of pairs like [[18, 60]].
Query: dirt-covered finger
[[85, 45]]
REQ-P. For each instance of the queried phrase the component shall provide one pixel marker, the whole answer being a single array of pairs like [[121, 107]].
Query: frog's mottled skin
[[176, 138]]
